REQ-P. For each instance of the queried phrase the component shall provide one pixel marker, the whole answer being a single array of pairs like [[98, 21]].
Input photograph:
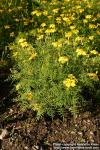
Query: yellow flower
[[34, 12], [21, 40], [48, 31], [72, 27], [24, 44], [91, 26], [15, 54], [67, 20], [17, 87], [39, 30], [78, 38], [78, 6], [57, 44], [68, 34], [17, 20], [7, 26], [93, 76], [73, 18], [37, 107], [91, 37], [29, 96], [63, 59], [12, 34], [55, 10], [40, 37], [43, 24], [58, 20], [62, 15], [80, 52], [70, 81], [33, 56], [38, 14], [85, 21], [75, 31], [52, 26], [81, 10], [99, 54], [94, 52], [49, 17], [45, 13], [88, 16], [98, 32]]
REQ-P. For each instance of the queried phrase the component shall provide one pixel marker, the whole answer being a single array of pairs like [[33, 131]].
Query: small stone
[[88, 121], [35, 147], [76, 125], [26, 148], [72, 132], [80, 133], [11, 110], [92, 141], [91, 133], [3, 134]]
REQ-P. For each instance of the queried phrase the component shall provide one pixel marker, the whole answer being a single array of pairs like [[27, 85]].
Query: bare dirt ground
[[27, 133]]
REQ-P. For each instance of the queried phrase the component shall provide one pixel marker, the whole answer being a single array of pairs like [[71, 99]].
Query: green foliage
[[15, 16], [57, 56], [40, 76]]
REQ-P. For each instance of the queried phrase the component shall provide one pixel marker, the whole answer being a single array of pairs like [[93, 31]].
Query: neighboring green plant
[[56, 60], [15, 16]]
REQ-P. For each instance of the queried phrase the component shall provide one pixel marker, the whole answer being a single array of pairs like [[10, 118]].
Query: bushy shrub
[[50, 79], [60, 56], [14, 17]]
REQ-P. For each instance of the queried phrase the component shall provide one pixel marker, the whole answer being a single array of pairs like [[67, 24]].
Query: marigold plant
[[58, 57]]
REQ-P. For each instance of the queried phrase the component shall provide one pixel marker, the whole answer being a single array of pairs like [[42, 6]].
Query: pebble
[[3, 134], [91, 133], [80, 133]]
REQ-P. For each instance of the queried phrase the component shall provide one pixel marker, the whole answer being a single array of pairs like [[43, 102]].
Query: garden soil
[[24, 132]]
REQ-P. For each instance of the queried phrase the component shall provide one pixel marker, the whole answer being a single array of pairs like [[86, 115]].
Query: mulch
[[27, 133]]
